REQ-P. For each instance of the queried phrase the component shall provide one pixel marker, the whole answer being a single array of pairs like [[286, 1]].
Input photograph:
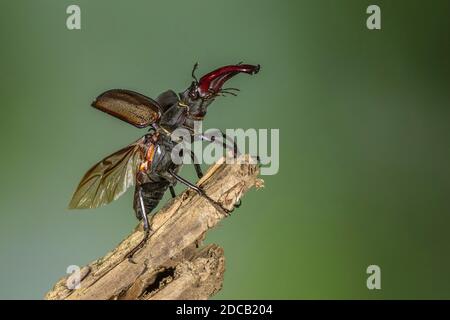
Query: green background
[[364, 137]]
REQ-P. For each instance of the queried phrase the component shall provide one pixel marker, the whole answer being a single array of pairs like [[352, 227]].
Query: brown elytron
[[132, 107]]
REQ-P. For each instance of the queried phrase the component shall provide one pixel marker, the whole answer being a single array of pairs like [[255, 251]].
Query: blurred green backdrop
[[364, 127]]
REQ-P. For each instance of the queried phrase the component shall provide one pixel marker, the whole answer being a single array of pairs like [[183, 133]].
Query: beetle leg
[[200, 191], [172, 191], [144, 213], [235, 148], [225, 143], [198, 168], [146, 227], [226, 146]]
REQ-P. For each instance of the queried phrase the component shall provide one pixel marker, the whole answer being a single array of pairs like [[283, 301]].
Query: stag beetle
[[147, 162]]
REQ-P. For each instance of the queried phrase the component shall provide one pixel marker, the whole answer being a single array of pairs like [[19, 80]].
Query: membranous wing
[[132, 107], [110, 178]]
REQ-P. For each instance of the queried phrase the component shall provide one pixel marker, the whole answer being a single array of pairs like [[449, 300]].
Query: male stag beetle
[[147, 162]]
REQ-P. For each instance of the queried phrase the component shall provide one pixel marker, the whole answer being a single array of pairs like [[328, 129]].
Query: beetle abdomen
[[152, 193]]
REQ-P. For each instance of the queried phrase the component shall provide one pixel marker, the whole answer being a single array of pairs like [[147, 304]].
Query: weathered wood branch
[[170, 265]]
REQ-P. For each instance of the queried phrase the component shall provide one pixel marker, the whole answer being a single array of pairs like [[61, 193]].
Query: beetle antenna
[[224, 92], [193, 72]]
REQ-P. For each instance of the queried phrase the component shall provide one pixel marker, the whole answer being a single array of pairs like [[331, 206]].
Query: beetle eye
[[193, 90]]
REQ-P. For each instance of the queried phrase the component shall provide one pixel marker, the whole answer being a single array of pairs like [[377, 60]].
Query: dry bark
[[170, 265]]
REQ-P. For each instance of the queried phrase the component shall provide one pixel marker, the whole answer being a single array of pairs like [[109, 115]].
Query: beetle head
[[202, 92]]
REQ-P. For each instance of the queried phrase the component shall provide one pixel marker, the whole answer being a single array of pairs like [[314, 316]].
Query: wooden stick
[[170, 265]]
